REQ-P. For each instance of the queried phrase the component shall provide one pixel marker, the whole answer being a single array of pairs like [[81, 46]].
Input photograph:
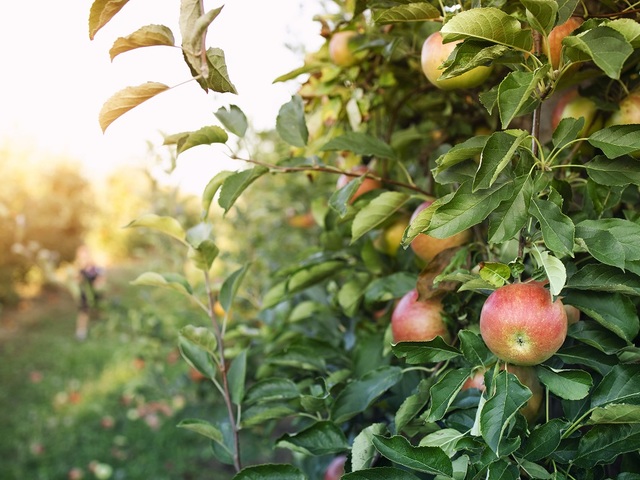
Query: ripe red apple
[[521, 325], [434, 53], [367, 184], [427, 247], [557, 35], [573, 105], [335, 470], [629, 111], [418, 321], [527, 377], [341, 49]]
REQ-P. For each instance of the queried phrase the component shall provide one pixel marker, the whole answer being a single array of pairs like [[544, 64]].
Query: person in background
[[88, 276]]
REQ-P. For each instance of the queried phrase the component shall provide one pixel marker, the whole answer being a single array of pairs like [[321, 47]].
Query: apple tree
[[472, 146]]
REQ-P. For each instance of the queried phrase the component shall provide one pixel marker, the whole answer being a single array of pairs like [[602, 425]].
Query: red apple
[[335, 470], [434, 53], [572, 105], [521, 324], [557, 35], [527, 377], [341, 49], [427, 247], [367, 184], [418, 321]]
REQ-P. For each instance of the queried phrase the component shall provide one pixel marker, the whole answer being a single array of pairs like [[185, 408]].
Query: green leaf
[[270, 472], [363, 453], [541, 14], [196, 345], [376, 212], [102, 11], [217, 78], [413, 404], [422, 221], [598, 277], [436, 350], [358, 395], [628, 28], [380, 473], [233, 120], [360, 144], [173, 281], [203, 136], [515, 94], [625, 233], [466, 209], [617, 140], [602, 244], [474, 349], [127, 99], [615, 413], [592, 333], [607, 48], [167, 225], [230, 287], [496, 155], [488, 24], [210, 190], [291, 124], [413, 12], [204, 254], [497, 274], [263, 412], [620, 385], [147, 36], [469, 55], [203, 428], [587, 357], [544, 440], [619, 171], [446, 439], [201, 337], [604, 443], [512, 214], [465, 150], [509, 397], [502, 470], [423, 459], [237, 183], [565, 10], [553, 268], [443, 393], [271, 389], [567, 384], [533, 470], [389, 287], [237, 376], [567, 131], [614, 311], [321, 438], [558, 230]]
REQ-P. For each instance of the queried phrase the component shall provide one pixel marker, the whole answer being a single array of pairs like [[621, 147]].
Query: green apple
[[573, 105], [341, 49], [434, 53], [522, 325]]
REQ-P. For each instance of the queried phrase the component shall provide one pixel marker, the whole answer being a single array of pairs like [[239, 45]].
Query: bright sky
[[55, 79]]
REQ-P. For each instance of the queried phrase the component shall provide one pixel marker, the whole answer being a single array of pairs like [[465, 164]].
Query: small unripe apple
[[391, 237], [573, 105], [427, 247], [418, 321], [335, 470], [629, 111], [526, 375], [521, 324], [557, 35], [341, 51], [367, 184], [434, 53]]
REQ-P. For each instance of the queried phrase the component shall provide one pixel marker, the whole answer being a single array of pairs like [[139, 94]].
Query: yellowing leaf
[[101, 12], [148, 36], [126, 99]]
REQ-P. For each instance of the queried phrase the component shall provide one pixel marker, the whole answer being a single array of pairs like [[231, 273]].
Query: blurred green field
[[106, 407]]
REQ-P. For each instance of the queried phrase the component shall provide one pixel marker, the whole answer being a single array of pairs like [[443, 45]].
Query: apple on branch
[[415, 320], [434, 53], [522, 325], [367, 184], [342, 48]]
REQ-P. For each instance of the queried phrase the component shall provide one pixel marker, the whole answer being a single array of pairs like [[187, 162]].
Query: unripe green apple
[[391, 237], [367, 184], [573, 105], [629, 111], [526, 375], [427, 247], [434, 53], [557, 35], [521, 324], [341, 51], [418, 321]]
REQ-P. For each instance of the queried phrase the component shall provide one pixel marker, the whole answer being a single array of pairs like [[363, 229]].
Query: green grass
[[114, 399]]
